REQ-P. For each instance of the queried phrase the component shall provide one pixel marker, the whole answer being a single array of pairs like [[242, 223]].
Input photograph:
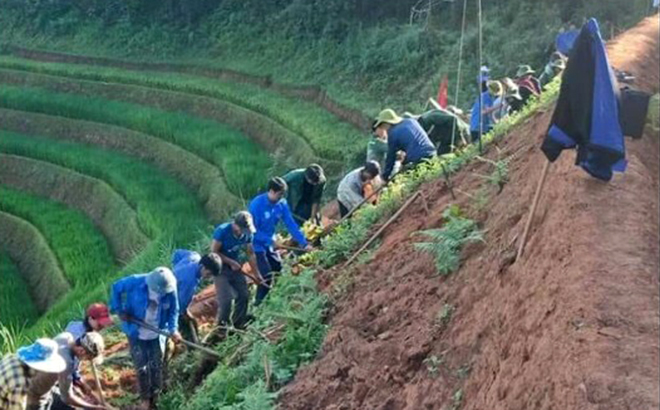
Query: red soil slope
[[571, 325]]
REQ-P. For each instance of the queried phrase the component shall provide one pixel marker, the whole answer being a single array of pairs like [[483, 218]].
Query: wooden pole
[[95, 372], [537, 195], [254, 279], [184, 341], [382, 228], [290, 248]]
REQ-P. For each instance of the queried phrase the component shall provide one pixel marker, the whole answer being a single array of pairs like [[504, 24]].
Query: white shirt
[[350, 191], [150, 318]]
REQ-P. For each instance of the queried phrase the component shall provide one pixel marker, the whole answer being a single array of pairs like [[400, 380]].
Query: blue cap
[[162, 281]]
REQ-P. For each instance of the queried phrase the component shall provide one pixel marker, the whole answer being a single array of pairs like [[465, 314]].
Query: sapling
[[444, 315], [500, 176], [445, 243], [433, 364]]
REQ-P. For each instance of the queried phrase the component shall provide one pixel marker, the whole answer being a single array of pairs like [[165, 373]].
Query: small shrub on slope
[[445, 243]]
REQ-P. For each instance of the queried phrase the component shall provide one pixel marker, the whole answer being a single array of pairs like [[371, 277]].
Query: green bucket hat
[[524, 70], [387, 116]]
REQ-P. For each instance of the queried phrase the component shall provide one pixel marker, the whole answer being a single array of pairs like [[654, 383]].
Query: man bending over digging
[[189, 268], [148, 307], [232, 242]]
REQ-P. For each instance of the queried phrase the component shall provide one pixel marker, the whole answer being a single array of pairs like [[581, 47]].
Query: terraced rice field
[[16, 307], [104, 169], [285, 119]]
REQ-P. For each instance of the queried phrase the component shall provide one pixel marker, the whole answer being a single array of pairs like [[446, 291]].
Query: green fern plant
[[446, 243]]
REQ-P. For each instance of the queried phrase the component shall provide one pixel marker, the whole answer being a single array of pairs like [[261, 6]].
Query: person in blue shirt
[[488, 99], [233, 243], [268, 210], [483, 77], [150, 298], [189, 268], [402, 135]]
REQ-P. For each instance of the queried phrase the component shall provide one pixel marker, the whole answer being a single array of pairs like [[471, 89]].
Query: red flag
[[442, 92]]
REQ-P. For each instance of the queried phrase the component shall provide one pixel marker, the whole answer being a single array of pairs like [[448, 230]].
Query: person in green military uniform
[[306, 186], [441, 126]]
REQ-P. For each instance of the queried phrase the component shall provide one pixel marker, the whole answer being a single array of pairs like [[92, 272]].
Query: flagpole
[[537, 195]]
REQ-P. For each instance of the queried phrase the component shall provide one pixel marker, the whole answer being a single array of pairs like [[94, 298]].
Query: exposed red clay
[[571, 325]]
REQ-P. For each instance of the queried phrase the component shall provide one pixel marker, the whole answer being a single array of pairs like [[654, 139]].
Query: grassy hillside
[[298, 120], [81, 250], [241, 162], [366, 53]]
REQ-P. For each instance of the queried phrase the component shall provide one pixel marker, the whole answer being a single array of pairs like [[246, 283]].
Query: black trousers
[[188, 327], [268, 263], [343, 211], [231, 286]]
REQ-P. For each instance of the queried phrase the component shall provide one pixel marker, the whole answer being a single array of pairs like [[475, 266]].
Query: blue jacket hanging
[[587, 112], [565, 41]]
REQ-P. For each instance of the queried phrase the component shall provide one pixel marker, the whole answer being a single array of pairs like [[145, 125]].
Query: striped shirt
[[14, 383]]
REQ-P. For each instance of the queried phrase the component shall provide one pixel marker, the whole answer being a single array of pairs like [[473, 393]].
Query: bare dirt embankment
[[573, 324]]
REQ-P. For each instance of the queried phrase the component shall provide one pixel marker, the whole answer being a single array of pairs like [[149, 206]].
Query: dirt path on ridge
[[571, 325]]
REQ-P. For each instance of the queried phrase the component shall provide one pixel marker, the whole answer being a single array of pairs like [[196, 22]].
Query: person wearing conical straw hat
[[17, 371], [404, 135], [496, 89]]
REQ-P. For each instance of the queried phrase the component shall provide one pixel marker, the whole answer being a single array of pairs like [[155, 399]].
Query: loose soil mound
[[571, 325]]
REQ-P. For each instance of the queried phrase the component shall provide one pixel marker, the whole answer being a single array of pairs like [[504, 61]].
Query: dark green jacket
[[302, 207], [439, 125]]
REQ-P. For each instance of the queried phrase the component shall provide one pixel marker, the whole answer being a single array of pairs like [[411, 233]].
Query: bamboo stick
[[382, 228]]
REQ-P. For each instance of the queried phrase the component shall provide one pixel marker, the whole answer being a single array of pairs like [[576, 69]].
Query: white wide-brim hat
[[43, 356]]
